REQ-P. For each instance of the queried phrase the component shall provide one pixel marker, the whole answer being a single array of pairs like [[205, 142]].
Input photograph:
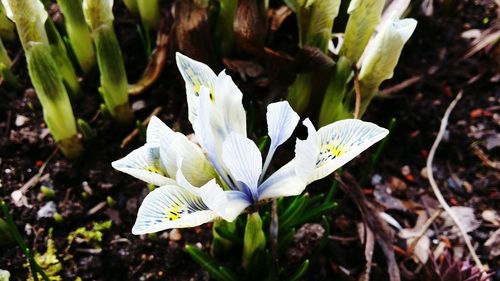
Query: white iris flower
[[227, 174]]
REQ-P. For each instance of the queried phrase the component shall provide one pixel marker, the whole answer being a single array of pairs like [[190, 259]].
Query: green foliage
[[113, 77], [224, 32], [52, 94], [61, 57], [315, 21], [114, 84], [78, 33], [85, 128], [33, 265], [7, 27], [300, 271], [336, 104], [364, 17], [250, 237], [216, 270], [48, 261], [150, 13], [91, 236], [254, 239]]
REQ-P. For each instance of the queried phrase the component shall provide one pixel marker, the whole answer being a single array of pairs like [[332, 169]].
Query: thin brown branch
[[357, 90], [435, 188], [135, 132]]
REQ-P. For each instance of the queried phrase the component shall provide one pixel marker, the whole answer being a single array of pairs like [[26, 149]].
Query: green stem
[[224, 31], [150, 13], [35, 268], [332, 108], [78, 33]]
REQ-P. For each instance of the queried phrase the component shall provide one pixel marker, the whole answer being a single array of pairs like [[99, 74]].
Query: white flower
[[227, 174]]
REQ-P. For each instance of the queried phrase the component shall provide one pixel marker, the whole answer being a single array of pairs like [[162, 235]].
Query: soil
[[434, 52]]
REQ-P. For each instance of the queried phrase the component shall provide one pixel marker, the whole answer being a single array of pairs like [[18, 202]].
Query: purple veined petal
[[196, 75], [226, 204], [206, 135], [292, 179], [243, 160], [158, 133], [341, 141], [281, 122], [144, 163], [169, 207]]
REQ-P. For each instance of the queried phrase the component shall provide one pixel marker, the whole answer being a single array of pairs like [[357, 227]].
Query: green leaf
[[254, 240], [364, 17], [292, 213], [216, 271], [300, 271]]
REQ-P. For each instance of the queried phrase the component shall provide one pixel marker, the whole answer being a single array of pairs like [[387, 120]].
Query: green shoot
[[224, 31], [150, 13], [78, 33], [364, 17], [61, 57], [99, 17], [315, 20], [30, 17], [7, 27], [34, 267]]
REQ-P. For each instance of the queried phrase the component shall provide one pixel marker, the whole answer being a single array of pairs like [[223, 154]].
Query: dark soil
[[435, 51]]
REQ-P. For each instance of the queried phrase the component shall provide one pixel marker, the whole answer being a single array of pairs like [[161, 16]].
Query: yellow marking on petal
[[155, 170], [330, 151], [173, 213]]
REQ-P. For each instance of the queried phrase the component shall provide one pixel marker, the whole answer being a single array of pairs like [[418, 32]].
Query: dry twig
[[435, 188], [135, 132]]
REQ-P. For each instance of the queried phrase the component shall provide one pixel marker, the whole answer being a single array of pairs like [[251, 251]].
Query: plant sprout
[[227, 173], [78, 33], [99, 17], [30, 17]]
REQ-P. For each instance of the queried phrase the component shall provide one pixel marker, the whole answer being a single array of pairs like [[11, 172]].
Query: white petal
[[243, 160], [228, 101], [341, 141], [196, 168], [157, 132], [144, 164], [226, 204], [205, 134], [292, 179], [171, 206], [196, 75], [281, 122]]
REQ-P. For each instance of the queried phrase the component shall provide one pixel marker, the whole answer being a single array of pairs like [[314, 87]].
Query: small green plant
[[11, 226], [48, 261], [91, 236], [7, 27], [5, 64], [114, 85], [364, 61], [78, 33], [227, 175], [149, 11], [30, 18]]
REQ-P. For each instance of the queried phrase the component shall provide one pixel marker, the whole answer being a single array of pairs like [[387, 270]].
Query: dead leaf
[[244, 68], [493, 243], [192, 32], [278, 16], [467, 219]]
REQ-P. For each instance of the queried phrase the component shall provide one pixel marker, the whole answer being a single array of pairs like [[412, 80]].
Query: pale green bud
[[98, 12], [29, 17], [254, 239], [383, 53], [364, 17]]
